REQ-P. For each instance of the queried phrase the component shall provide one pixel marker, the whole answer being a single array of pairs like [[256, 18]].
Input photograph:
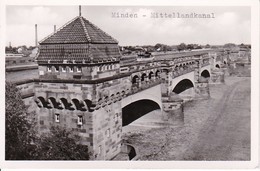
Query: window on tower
[[108, 133], [80, 120], [57, 117]]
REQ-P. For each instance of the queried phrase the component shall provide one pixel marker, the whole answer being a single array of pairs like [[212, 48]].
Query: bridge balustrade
[[145, 85], [182, 71], [205, 63]]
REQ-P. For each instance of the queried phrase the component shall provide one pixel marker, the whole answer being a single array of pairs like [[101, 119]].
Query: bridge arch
[[53, 102], [123, 93], [40, 101], [150, 75], [205, 73], [217, 66], [135, 79], [65, 104], [76, 104], [87, 104], [137, 109], [143, 77], [157, 74], [182, 86]]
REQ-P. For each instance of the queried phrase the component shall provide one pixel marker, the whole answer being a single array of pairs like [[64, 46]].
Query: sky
[[230, 25]]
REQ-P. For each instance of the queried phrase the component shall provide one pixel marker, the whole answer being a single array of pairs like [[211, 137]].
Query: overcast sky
[[230, 25]]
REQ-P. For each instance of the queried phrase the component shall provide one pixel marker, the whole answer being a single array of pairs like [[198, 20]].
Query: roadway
[[213, 129]]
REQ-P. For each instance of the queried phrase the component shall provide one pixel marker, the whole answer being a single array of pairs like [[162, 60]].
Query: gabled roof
[[79, 30]]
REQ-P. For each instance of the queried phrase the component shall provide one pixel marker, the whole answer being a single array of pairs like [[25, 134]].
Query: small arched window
[[48, 68], [56, 68], [79, 69]]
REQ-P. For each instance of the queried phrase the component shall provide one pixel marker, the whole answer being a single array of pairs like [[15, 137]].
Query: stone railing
[[205, 63], [182, 72], [143, 86]]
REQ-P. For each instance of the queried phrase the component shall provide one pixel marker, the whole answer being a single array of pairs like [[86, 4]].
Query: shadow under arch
[[77, 105], [135, 79], [150, 75], [182, 86], [143, 77], [137, 109], [65, 104], [40, 101], [205, 74]]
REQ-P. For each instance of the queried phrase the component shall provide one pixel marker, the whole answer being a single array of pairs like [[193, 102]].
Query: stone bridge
[[163, 83], [86, 85]]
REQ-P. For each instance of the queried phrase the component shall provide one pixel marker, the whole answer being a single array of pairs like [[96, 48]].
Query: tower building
[[79, 85]]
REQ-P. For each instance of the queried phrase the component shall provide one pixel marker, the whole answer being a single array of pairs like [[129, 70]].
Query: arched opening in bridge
[[143, 76], [205, 74], [182, 86], [135, 79], [217, 66], [150, 75], [157, 74], [137, 109]]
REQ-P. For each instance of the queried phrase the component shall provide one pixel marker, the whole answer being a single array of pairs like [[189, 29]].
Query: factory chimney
[[36, 36]]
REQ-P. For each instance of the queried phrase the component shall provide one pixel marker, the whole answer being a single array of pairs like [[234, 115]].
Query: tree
[[190, 46], [207, 46], [182, 46], [196, 46], [61, 144], [158, 45], [229, 45], [19, 133]]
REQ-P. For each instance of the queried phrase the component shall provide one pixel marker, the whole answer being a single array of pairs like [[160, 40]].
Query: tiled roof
[[79, 53], [79, 30], [79, 41]]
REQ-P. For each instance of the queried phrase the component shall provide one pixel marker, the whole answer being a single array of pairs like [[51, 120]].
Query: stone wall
[[102, 120], [68, 114]]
